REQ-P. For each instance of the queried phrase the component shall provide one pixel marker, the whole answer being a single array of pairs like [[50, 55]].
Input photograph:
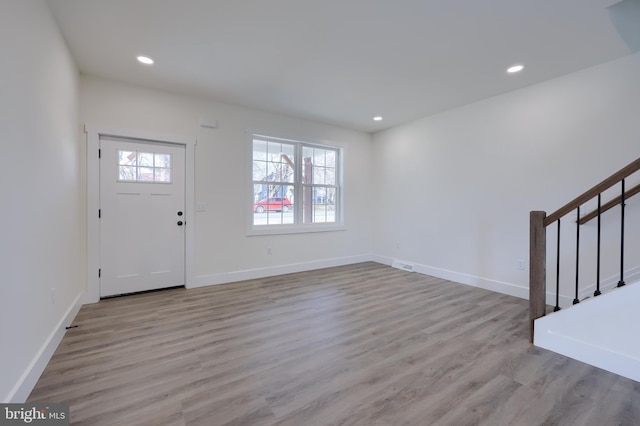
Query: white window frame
[[298, 226]]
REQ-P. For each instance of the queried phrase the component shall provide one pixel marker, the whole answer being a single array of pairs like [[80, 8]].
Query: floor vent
[[402, 265]]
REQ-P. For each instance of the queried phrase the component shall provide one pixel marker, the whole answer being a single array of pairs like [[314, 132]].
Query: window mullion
[[297, 181]]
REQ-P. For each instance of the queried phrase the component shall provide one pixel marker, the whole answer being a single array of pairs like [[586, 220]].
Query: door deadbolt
[[179, 213]]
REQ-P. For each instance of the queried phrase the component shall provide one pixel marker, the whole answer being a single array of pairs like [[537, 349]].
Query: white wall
[[42, 242], [451, 192], [455, 190], [223, 251]]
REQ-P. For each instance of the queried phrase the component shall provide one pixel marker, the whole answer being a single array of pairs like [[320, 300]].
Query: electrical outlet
[[53, 295], [269, 251], [521, 264]]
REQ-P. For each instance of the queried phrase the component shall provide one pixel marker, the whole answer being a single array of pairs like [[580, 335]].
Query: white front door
[[142, 216]]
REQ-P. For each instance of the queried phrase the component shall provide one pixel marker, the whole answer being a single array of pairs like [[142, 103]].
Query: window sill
[[288, 229]]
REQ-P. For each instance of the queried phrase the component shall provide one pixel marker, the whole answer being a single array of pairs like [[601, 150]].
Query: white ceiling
[[339, 61]]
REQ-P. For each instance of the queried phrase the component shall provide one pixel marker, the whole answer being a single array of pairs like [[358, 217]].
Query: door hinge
[[99, 272], [99, 213], [99, 153]]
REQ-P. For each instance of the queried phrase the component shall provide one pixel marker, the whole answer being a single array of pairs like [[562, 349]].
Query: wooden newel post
[[537, 267]]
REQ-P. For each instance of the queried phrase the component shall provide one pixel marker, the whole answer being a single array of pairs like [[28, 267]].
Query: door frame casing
[[92, 294]]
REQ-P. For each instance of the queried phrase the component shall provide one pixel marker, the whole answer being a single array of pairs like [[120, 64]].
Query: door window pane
[[145, 174], [162, 175], [145, 159], [151, 167], [163, 160], [127, 158], [126, 173]]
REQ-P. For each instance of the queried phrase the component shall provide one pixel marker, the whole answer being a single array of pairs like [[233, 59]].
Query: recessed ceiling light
[[145, 60], [515, 68], [377, 118]]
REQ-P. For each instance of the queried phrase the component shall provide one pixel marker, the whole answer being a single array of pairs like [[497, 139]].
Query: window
[[294, 183], [135, 166]]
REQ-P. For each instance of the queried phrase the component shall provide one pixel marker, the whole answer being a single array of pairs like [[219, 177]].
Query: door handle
[[179, 223]]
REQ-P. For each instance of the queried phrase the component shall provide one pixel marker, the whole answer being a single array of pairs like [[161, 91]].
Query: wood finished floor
[[363, 344]]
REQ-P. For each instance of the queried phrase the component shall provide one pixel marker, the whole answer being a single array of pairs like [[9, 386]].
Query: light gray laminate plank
[[362, 344]]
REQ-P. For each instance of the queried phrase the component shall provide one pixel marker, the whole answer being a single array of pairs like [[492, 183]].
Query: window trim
[[299, 227]]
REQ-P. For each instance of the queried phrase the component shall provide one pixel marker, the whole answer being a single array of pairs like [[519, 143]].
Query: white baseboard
[[382, 259], [251, 274], [459, 277], [29, 378]]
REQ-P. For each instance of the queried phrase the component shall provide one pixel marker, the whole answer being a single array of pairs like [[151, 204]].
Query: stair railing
[[539, 221]]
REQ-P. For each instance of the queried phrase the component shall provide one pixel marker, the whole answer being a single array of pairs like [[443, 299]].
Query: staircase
[[599, 330]]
